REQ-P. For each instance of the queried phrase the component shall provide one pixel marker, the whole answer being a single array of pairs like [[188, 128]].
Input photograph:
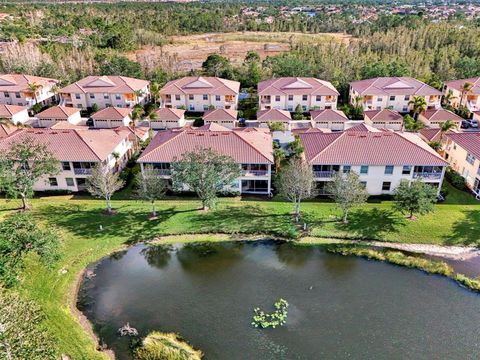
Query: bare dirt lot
[[184, 53]]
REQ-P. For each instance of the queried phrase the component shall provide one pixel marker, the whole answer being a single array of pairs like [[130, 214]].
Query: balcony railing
[[255, 172], [163, 172], [324, 174], [82, 171], [427, 175]]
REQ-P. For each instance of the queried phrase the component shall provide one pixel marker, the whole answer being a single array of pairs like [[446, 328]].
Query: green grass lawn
[[78, 220]]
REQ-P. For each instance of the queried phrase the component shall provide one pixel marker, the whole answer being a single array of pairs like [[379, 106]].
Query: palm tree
[[138, 94], [136, 114], [466, 89], [34, 87], [155, 91], [419, 105], [445, 127], [152, 117], [8, 123], [448, 97]]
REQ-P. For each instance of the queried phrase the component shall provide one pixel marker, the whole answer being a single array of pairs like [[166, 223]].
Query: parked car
[[465, 124], [470, 123]]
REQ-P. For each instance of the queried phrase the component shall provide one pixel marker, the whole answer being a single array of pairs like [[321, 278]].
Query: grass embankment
[[78, 220]]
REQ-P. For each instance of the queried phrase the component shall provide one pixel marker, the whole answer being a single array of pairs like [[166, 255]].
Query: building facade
[[384, 119], [16, 114], [16, 89], [55, 114], [457, 92]]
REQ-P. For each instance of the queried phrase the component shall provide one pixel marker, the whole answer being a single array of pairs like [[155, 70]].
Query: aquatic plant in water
[[277, 318]]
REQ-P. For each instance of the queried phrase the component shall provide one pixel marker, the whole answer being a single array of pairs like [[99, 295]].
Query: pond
[[340, 307]]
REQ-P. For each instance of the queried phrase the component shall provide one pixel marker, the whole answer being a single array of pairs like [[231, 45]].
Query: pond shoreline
[[458, 253]]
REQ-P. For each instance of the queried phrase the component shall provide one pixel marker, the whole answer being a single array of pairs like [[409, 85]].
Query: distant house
[[16, 114], [333, 120], [200, 93], [384, 119], [462, 151], [105, 91], [470, 99], [56, 114], [392, 92], [78, 151], [251, 148], [381, 158], [434, 118], [168, 118], [224, 117], [112, 117], [266, 117], [16, 89], [289, 92]]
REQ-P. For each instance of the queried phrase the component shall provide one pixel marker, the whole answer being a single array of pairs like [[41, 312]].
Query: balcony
[[163, 172], [324, 174], [427, 175], [254, 172], [81, 171]]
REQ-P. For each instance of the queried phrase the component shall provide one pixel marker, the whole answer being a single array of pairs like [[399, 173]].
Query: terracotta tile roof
[[468, 141], [169, 114], [458, 84], [253, 147], [328, 115], [430, 134], [57, 112], [106, 84], [220, 114], [65, 125], [6, 111], [363, 127], [441, 115], [368, 148], [17, 82], [296, 86], [309, 130], [201, 85], [384, 115], [71, 145], [393, 86], [274, 115], [112, 113], [7, 130]]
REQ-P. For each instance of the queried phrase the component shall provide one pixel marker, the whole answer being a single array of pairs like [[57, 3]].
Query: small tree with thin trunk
[[103, 183], [205, 172], [415, 198], [150, 187], [295, 182], [24, 164], [347, 191]]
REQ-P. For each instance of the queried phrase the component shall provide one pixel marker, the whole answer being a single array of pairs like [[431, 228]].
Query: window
[[77, 96], [17, 95], [205, 107], [118, 97], [364, 169], [478, 171], [190, 97], [386, 185], [290, 97], [105, 96], [407, 98], [304, 107], [406, 170], [363, 183], [319, 98], [379, 99], [66, 166], [389, 170], [6, 94], [191, 107], [177, 97], [347, 168], [290, 108], [70, 181], [53, 181], [277, 97], [470, 159], [392, 98], [217, 97], [92, 96], [205, 97], [405, 109], [304, 97]]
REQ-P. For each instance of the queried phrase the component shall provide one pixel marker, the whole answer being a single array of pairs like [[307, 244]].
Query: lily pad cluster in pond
[[277, 318]]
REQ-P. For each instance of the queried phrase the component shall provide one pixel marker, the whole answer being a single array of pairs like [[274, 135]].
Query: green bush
[[165, 346], [457, 180], [473, 284], [198, 122], [22, 334]]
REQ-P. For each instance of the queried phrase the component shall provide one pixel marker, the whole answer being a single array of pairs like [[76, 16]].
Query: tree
[[466, 89], [347, 191], [419, 105], [448, 98], [155, 91], [435, 145], [136, 115], [150, 187], [446, 127], [34, 87], [205, 172], [415, 198], [24, 164], [103, 183], [217, 65], [298, 114], [19, 235], [295, 182], [411, 124]]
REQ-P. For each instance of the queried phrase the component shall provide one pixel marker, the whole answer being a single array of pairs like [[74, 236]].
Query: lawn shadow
[[372, 223], [467, 231]]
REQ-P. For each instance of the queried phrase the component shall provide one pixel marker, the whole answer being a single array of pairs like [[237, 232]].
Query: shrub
[[473, 284], [457, 180], [165, 346]]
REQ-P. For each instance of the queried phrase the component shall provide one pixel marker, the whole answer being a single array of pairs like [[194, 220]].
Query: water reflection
[[158, 256]]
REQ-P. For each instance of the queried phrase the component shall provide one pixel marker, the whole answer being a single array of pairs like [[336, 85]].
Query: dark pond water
[[340, 307]]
